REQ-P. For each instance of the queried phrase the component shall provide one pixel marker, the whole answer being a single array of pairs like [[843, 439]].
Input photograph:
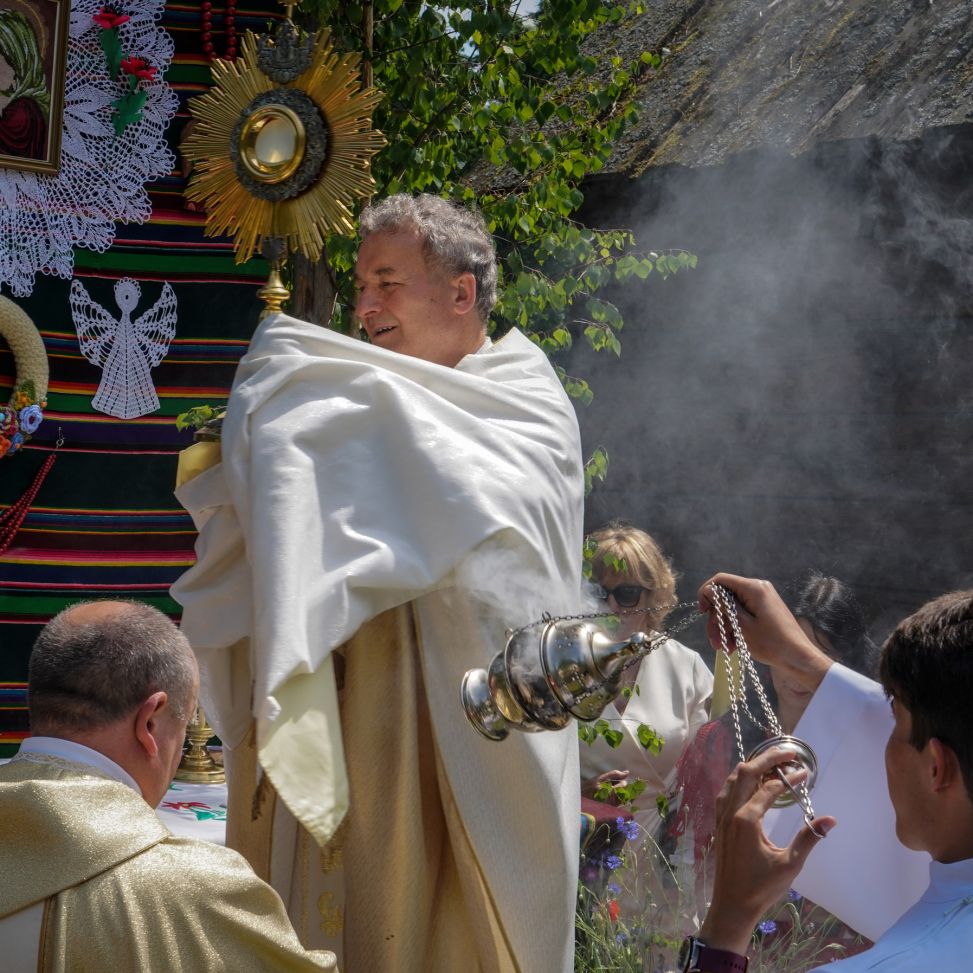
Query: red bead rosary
[[13, 516], [229, 22]]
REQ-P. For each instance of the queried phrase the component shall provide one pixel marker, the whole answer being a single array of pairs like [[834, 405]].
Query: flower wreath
[[22, 415]]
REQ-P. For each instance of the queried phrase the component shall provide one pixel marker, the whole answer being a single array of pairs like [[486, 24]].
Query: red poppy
[[138, 68], [106, 18], [4, 445], [614, 911]]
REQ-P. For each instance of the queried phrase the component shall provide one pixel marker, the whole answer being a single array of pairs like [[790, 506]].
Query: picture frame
[[33, 64]]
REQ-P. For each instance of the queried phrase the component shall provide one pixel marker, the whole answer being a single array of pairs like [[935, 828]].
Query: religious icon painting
[[33, 55]]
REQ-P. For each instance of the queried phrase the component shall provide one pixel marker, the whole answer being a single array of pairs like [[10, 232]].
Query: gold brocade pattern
[[332, 915], [399, 878], [127, 895], [332, 854]]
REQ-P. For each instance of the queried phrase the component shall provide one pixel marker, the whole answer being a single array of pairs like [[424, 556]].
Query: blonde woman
[[669, 691]]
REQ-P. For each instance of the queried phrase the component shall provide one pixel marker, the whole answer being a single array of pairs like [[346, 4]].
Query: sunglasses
[[625, 595]]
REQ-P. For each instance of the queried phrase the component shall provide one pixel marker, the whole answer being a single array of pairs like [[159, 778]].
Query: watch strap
[[705, 959]]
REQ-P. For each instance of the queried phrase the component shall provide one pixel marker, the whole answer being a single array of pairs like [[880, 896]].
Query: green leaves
[[621, 793], [112, 47], [510, 113], [649, 739], [197, 417], [616, 565], [128, 110], [596, 468]]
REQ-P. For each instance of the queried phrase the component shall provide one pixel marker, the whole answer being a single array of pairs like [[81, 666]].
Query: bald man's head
[[96, 662]]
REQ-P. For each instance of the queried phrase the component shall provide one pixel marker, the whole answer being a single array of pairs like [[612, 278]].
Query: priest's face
[[904, 767], [412, 308]]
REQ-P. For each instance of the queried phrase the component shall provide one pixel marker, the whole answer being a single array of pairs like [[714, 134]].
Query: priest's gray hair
[[453, 237], [87, 673]]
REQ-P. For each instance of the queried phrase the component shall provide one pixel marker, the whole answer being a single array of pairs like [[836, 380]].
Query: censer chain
[[655, 643], [547, 618], [724, 602]]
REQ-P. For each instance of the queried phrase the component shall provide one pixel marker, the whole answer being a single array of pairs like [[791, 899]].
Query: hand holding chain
[[725, 605]]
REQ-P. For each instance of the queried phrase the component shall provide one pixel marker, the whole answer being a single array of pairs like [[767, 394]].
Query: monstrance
[[281, 151], [281, 147], [561, 668]]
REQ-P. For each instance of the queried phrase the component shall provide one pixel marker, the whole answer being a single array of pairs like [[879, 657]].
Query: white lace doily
[[103, 176]]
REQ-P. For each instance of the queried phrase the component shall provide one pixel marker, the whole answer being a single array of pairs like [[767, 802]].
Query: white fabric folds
[[353, 480]]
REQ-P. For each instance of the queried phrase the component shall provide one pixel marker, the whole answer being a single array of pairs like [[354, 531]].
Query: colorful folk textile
[[105, 522]]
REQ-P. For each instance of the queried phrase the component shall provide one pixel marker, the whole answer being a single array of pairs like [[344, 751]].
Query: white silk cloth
[[354, 480], [861, 872]]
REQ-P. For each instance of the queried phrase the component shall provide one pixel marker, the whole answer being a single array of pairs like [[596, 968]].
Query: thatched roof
[[785, 74]]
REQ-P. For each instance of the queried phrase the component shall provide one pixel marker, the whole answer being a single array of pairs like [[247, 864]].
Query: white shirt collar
[[78, 753]]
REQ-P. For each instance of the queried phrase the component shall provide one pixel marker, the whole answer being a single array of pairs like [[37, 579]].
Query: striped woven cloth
[[105, 522]]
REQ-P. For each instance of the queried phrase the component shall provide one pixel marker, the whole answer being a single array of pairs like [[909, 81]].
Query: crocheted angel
[[125, 349]]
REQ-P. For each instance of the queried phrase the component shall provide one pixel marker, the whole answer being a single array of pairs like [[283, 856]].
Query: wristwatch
[[696, 957]]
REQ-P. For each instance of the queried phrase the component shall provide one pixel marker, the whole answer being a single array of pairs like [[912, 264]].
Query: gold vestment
[[121, 892], [406, 834]]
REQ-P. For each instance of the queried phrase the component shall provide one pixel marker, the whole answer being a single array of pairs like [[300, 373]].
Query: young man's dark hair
[[927, 664]]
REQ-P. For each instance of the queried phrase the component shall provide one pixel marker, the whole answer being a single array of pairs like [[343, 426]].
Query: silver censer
[[573, 669]]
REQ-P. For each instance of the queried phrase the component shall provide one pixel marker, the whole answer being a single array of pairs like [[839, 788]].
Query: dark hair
[[927, 665], [453, 237], [85, 674], [833, 610]]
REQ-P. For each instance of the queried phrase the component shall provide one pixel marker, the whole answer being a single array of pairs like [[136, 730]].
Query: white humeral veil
[[354, 480], [860, 872]]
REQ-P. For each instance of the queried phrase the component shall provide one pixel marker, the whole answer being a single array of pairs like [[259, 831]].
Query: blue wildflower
[[793, 895], [30, 419], [628, 828], [621, 939], [613, 888], [612, 862], [767, 927]]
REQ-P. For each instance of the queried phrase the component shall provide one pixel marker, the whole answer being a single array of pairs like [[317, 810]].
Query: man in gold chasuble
[[91, 878], [382, 513]]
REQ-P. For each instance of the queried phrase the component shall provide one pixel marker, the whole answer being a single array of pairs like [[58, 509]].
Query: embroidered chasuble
[[375, 525], [114, 890]]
